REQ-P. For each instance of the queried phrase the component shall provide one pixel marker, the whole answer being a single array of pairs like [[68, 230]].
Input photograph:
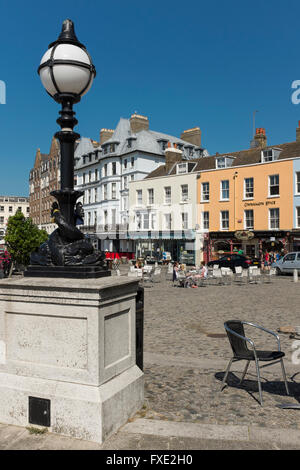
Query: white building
[[128, 153], [164, 211], [9, 205]]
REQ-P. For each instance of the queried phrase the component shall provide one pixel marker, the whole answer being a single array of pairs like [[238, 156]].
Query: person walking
[[266, 261]]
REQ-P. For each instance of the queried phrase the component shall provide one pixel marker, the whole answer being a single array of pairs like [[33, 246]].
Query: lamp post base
[[73, 272]]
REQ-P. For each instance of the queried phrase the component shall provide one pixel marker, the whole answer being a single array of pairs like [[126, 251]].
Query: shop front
[[166, 245], [250, 243]]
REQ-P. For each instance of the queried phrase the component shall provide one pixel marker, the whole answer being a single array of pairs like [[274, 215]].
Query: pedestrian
[[175, 271], [266, 261], [203, 270]]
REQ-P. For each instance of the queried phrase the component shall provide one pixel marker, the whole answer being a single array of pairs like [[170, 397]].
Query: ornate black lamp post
[[67, 72]]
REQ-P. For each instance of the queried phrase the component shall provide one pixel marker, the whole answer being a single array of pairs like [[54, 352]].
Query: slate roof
[[144, 141], [241, 157]]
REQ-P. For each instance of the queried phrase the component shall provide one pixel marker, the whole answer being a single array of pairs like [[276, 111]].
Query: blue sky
[[182, 64]]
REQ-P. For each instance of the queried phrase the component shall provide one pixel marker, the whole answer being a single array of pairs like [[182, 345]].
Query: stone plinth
[[71, 342]]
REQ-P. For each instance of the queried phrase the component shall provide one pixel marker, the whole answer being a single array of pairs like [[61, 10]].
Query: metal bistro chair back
[[239, 344]]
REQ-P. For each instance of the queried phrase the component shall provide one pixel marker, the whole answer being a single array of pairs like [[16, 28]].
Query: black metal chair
[[238, 341]]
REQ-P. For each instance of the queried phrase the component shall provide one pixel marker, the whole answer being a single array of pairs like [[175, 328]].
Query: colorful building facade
[[250, 200]]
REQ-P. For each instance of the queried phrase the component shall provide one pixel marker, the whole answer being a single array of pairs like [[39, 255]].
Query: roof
[[144, 141], [241, 157]]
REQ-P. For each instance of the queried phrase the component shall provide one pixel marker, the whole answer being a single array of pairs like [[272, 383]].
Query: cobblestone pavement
[[184, 365]]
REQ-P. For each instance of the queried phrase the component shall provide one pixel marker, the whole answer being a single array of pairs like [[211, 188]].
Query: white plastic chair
[[254, 274]]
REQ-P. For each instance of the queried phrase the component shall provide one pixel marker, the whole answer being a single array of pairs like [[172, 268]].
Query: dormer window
[[105, 149], [224, 162], [163, 144], [112, 148], [270, 155], [181, 168]]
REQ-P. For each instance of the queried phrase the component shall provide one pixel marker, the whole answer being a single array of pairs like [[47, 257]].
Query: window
[[146, 221], [132, 162], [112, 148], [267, 155], [151, 196], [224, 220], [168, 195], [105, 214], [153, 221], [298, 217], [138, 220], [90, 176], [225, 190], [184, 219], [105, 169], [83, 178], [184, 192], [248, 188], [249, 220], [290, 257], [105, 192], [220, 162], [114, 168], [125, 164], [89, 196], [181, 168], [131, 177], [298, 182], [139, 197], [95, 194], [168, 221], [10, 209], [273, 219], [114, 190], [1, 220], [113, 217], [96, 175], [205, 220], [204, 192], [274, 185], [125, 182]]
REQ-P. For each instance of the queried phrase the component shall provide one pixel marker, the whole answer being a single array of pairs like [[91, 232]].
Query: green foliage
[[23, 237]]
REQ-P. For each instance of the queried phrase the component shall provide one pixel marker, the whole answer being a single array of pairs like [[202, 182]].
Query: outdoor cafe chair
[[238, 341], [157, 275], [217, 276], [254, 274], [227, 275], [267, 275], [241, 275]]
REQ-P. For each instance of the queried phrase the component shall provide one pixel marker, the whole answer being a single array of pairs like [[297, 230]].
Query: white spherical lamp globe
[[66, 67]]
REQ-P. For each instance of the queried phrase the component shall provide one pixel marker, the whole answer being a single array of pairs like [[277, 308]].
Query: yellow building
[[245, 199]]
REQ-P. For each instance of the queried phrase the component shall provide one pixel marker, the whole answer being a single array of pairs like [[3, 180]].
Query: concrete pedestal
[[71, 343]]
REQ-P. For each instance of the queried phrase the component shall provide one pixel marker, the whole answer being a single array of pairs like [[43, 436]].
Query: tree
[[22, 237]]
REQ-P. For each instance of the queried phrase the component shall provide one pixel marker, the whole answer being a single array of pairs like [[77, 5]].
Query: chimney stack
[[138, 123], [193, 136], [260, 138], [298, 132], [173, 155], [105, 134]]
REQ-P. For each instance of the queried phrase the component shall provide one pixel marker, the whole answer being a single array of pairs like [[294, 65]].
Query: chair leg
[[226, 374], [284, 377], [259, 382], [245, 372]]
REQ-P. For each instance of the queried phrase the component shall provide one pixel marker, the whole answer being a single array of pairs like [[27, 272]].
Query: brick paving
[[184, 366]]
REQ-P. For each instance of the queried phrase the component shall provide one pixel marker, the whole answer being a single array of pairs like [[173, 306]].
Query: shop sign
[[244, 235], [261, 203]]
